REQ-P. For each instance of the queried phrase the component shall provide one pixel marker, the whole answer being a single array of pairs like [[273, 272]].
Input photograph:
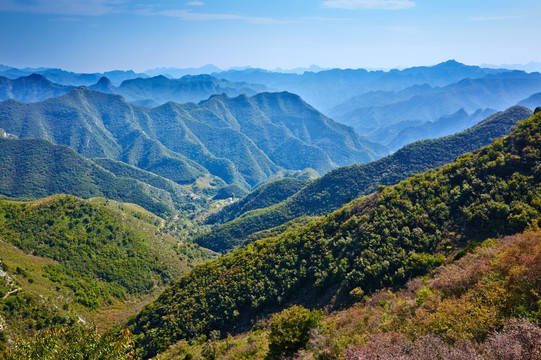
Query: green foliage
[[266, 195], [378, 241], [78, 342], [346, 183], [243, 141], [35, 168], [101, 253], [230, 191], [290, 331]]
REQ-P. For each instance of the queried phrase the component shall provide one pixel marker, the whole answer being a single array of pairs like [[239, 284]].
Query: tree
[[290, 330]]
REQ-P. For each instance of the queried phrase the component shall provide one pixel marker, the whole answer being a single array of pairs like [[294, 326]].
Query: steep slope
[[35, 168], [243, 140], [98, 125], [483, 306], [264, 196], [186, 89], [181, 197], [344, 184], [31, 88], [495, 91], [93, 258], [104, 85], [380, 240]]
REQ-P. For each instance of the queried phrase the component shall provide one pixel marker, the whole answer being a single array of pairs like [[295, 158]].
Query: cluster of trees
[[381, 240], [484, 304]]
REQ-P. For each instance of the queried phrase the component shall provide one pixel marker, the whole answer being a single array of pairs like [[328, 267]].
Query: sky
[[102, 35]]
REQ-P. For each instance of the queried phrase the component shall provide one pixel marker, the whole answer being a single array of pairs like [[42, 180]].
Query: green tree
[[290, 330]]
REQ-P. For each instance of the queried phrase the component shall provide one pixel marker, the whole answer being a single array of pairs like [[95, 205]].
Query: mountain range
[[341, 185], [35, 168], [242, 140], [112, 192], [64, 77], [379, 241], [381, 116], [326, 89]]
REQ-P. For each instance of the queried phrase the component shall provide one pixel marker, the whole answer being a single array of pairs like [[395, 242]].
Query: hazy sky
[[99, 35]]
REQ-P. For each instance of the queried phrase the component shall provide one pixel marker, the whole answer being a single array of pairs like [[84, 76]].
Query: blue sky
[[100, 35]]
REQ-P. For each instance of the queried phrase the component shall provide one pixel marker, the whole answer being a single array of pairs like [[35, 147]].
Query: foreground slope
[[483, 305], [343, 184], [381, 240]]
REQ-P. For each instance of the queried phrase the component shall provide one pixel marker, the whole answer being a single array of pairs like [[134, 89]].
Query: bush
[[290, 331]]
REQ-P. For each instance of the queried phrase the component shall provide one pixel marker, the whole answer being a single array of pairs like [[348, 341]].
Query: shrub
[[290, 331]]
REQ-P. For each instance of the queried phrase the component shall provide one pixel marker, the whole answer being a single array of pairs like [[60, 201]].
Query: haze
[[100, 35]]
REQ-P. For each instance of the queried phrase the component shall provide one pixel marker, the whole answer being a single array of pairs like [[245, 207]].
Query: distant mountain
[[175, 73], [346, 183], [97, 125], [104, 85], [529, 67], [496, 91], [444, 126], [31, 88], [189, 88], [242, 140], [63, 77], [532, 102], [327, 89], [35, 168]]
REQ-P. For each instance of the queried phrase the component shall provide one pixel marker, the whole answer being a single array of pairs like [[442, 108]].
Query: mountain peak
[[103, 85], [36, 77], [452, 63]]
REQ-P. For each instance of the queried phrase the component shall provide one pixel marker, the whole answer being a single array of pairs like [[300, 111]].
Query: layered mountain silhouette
[[327, 89], [160, 89], [242, 140], [64, 77], [532, 102], [31, 88], [381, 116]]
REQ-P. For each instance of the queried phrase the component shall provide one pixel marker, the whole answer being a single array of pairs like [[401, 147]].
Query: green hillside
[[35, 168], [482, 306], [99, 260], [244, 140], [381, 240], [266, 195], [346, 183]]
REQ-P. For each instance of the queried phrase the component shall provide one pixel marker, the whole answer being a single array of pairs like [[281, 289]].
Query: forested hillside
[[381, 240], [64, 259], [481, 305], [35, 168], [243, 140], [344, 184]]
